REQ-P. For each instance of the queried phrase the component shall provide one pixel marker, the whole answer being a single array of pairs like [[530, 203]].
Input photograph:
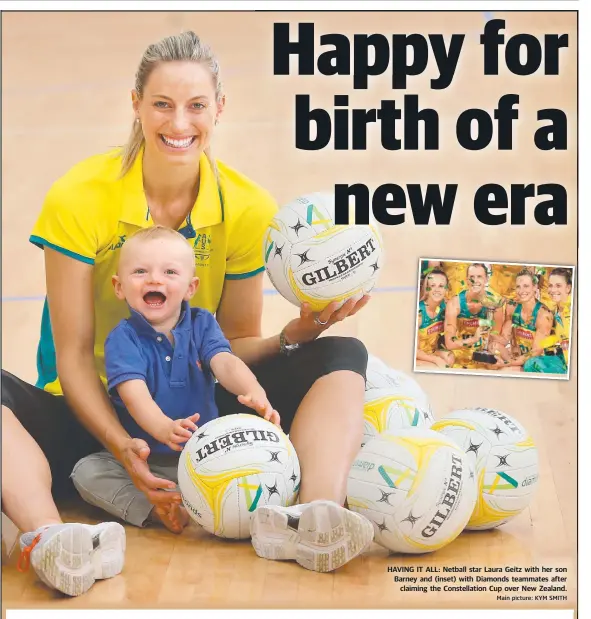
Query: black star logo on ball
[[303, 257], [274, 457], [497, 431], [297, 227], [375, 267], [382, 527], [293, 477], [473, 448], [385, 497], [200, 436], [272, 489], [410, 518], [503, 460], [278, 251]]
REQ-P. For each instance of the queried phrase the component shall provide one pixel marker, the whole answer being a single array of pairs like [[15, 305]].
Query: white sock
[[46, 526]]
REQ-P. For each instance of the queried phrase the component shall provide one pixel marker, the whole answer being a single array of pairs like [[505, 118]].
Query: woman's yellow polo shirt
[[91, 210]]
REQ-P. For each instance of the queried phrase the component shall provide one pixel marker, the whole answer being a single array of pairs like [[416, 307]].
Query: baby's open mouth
[[154, 299]]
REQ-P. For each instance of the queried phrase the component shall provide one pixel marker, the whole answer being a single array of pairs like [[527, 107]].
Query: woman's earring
[[137, 120]]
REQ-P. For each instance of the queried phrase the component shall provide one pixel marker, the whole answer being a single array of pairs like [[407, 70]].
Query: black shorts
[[286, 380]]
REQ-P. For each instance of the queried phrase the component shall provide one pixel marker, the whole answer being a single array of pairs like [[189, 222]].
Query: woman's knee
[[336, 353], [14, 434], [8, 416]]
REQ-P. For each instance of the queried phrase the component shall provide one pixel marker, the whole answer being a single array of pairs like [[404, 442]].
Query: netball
[[389, 410], [380, 375], [233, 465], [310, 259], [417, 488], [504, 457]]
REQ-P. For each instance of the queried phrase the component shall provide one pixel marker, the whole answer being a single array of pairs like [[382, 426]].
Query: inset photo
[[494, 318]]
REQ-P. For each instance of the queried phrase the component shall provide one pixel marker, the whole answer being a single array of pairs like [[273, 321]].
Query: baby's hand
[[258, 401], [179, 431]]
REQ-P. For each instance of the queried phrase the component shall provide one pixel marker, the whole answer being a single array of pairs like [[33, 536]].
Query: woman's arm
[[495, 336], [239, 316], [71, 307], [544, 323], [498, 320], [543, 328], [504, 337]]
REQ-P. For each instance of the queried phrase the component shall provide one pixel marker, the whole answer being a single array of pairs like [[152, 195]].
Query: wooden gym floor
[[66, 84]]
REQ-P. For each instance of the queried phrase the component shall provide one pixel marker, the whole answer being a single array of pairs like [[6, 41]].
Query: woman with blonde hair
[[166, 175], [555, 358], [431, 318], [527, 323]]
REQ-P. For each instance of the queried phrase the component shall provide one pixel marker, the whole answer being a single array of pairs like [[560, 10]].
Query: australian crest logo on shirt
[[202, 249]]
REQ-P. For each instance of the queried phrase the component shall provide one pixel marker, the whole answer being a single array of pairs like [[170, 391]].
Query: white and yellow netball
[[387, 410], [310, 259], [381, 376], [504, 457], [417, 488], [232, 465]]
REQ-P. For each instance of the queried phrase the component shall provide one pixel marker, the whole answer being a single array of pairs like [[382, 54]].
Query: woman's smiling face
[[436, 287], [558, 288], [525, 288], [477, 277], [178, 111]]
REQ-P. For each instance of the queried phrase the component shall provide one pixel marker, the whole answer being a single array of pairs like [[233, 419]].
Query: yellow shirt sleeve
[[245, 244], [69, 223]]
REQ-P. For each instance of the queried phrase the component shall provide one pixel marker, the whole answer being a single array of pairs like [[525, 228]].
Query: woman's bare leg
[[327, 434], [65, 557], [26, 478]]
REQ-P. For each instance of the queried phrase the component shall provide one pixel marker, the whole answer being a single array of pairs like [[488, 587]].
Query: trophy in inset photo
[[491, 302]]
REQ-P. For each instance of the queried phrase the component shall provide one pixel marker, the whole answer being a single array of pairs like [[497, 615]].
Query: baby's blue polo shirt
[[178, 377]]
